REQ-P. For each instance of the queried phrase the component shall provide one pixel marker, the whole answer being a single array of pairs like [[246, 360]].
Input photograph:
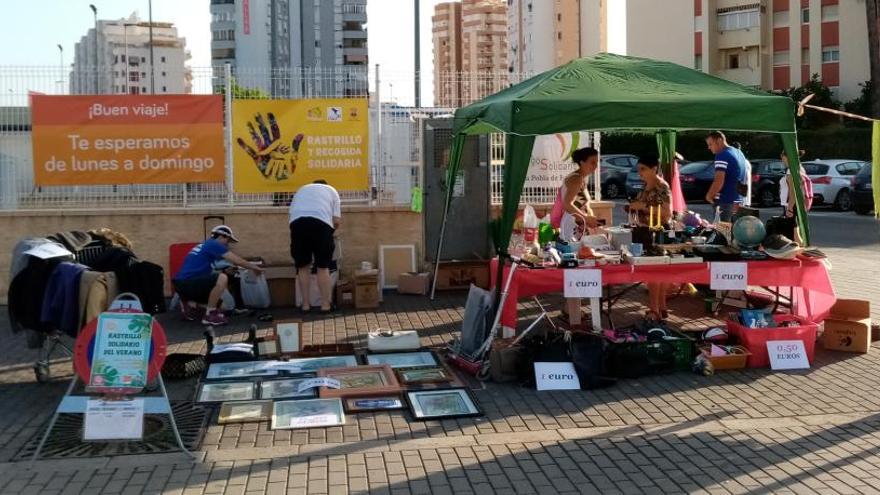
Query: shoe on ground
[[191, 313], [215, 318]]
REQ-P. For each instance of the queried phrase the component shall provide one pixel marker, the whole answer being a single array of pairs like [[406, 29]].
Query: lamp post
[[95, 14], [418, 57], [61, 67], [152, 67]]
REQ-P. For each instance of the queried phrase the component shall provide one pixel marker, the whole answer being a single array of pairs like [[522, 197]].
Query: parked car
[[767, 173], [863, 191], [696, 178], [832, 181], [613, 173]]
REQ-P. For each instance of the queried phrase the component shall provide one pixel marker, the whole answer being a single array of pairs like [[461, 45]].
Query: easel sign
[[121, 356], [114, 420]]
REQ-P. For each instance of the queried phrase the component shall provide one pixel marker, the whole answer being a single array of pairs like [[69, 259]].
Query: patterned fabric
[[656, 196]]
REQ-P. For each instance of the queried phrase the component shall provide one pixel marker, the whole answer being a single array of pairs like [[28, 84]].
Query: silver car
[[833, 181]]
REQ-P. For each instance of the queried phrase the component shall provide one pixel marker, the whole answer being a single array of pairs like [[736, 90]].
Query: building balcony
[[356, 35], [353, 51], [354, 17]]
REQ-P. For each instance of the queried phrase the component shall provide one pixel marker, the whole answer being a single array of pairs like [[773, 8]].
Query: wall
[[262, 231], [673, 43], [853, 49]]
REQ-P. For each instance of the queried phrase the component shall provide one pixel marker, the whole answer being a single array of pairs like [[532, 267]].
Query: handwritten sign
[[556, 376], [319, 382], [787, 355], [114, 420], [728, 276], [582, 283], [122, 351]]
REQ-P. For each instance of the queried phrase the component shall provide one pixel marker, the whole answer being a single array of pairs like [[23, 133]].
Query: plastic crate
[[755, 339], [621, 354], [734, 361]]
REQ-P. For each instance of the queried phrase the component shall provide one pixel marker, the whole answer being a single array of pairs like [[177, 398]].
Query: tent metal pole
[[439, 247]]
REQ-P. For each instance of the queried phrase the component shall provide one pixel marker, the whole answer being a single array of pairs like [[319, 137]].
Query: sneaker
[[191, 313], [215, 319]]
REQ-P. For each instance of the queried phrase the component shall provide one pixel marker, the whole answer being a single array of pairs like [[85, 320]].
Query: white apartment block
[[116, 59]]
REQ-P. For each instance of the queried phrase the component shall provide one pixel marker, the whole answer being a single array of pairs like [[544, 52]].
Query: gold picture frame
[[245, 412], [361, 381], [288, 333]]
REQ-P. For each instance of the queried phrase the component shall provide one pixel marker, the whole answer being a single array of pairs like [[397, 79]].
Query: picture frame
[[445, 403], [308, 413], [215, 392], [354, 405], [239, 370], [398, 360], [423, 375], [288, 333], [286, 388], [245, 412], [313, 364], [361, 381], [268, 347]]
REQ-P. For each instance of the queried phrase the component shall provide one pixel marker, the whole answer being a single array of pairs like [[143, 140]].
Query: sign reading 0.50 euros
[[281, 145], [127, 139]]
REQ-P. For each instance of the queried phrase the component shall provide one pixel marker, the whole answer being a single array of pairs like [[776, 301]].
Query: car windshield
[[865, 171], [694, 168], [815, 168]]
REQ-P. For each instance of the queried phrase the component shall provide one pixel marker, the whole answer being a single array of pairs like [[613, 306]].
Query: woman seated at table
[[657, 195], [577, 215]]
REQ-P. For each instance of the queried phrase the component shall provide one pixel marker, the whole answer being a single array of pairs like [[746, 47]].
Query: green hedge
[[827, 143]]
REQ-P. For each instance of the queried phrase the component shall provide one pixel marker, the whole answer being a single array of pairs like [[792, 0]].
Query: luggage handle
[[126, 301]]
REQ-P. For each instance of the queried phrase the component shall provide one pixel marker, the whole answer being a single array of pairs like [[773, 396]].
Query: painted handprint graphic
[[273, 158]]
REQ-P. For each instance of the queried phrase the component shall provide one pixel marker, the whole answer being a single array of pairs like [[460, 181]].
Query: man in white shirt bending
[[315, 214]]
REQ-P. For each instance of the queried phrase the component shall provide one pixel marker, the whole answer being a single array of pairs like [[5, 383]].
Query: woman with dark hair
[[573, 201], [656, 198]]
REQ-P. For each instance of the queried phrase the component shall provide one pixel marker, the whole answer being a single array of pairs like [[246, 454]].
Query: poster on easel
[[121, 355]]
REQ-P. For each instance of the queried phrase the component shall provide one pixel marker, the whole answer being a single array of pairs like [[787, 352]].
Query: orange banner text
[[125, 139]]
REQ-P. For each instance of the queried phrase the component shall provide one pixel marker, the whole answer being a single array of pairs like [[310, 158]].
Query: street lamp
[[61, 66], [95, 13]]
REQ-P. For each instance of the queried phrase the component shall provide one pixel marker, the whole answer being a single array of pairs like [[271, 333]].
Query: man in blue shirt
[[729, 162], [198, 282]]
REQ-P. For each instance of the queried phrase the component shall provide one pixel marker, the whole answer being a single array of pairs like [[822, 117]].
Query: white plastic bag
[[255, 290]]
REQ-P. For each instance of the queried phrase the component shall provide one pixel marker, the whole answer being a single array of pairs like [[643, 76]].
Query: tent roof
[[609, 91]]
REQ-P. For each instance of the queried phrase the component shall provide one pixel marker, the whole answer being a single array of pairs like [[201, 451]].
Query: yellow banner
[[280, 145]]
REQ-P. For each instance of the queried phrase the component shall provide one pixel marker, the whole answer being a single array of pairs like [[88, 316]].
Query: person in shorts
[[315, 214], [197, 282]]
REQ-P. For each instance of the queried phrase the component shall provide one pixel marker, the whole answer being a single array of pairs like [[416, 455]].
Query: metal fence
[[395, 130]]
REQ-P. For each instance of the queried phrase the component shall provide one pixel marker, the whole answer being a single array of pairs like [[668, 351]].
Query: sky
[[30, 36]]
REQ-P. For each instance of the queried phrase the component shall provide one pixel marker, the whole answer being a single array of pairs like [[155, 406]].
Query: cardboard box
[[366, 289], [413, 283], [282, 285], [461, 274], [848, 327]]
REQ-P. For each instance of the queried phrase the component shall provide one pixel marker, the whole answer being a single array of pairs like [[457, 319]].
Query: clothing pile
[[63, 293]]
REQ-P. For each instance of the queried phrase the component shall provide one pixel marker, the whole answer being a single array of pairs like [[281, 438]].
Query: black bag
[[781, 225], [231, 356], [587, 352], [147, 281], [636, 359], [588, 356]]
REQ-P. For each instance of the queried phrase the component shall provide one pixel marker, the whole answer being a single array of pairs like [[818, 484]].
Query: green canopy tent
[[612, 92]]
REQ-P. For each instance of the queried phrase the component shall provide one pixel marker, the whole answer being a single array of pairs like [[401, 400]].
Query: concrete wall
[[262, 231], [673, 42]]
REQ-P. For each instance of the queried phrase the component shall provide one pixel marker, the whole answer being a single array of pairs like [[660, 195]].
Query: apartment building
[[542, 35], [777, 44], [470, 54], [446, 34], [115, 59], [293, 47]]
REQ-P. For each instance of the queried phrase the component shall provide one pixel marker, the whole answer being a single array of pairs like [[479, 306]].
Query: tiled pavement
[[736, 432]]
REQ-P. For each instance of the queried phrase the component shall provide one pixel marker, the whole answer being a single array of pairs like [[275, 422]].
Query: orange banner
[[123, 139]]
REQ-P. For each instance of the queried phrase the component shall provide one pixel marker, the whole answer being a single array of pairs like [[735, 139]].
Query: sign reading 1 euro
[[281, 145], [127, 139], [582, 283], [121, 356], [728, 276]]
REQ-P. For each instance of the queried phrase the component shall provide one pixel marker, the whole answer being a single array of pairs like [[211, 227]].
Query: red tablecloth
[[813, 294]]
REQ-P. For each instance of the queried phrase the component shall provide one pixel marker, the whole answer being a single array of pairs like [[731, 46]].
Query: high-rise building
[[446, 32], [293, 47], [542, 35], [470, 50], [115, 59], [777, 44]]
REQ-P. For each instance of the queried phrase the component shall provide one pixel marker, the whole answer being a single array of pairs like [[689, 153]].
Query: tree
[[872, 11], [823, 98], [860, 105], [240, 92]]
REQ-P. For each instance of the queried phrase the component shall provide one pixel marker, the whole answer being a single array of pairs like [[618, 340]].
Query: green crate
[[683, 351]]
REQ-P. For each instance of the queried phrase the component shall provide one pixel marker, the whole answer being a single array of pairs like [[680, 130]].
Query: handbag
[[390, 340], [781, 225]]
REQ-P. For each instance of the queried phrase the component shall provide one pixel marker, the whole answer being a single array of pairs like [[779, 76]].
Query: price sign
[[728, 276], [114, 420], [582, 283], [323, 381], [556, 376], [787, 355]]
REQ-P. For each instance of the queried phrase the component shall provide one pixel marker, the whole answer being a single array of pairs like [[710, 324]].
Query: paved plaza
[[750, 431]]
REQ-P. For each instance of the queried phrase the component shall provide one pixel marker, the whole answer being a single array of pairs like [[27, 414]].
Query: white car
[[833, 181]]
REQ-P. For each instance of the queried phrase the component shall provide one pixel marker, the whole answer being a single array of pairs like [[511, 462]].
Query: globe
[[749, 232]]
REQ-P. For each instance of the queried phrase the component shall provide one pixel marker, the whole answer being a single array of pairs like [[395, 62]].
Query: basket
[[755, 339], [734, 361]]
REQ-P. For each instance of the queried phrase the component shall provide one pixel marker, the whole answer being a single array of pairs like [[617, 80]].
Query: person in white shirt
[[315, 214]]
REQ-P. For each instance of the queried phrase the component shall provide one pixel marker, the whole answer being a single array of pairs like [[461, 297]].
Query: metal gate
[[467, 227]]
